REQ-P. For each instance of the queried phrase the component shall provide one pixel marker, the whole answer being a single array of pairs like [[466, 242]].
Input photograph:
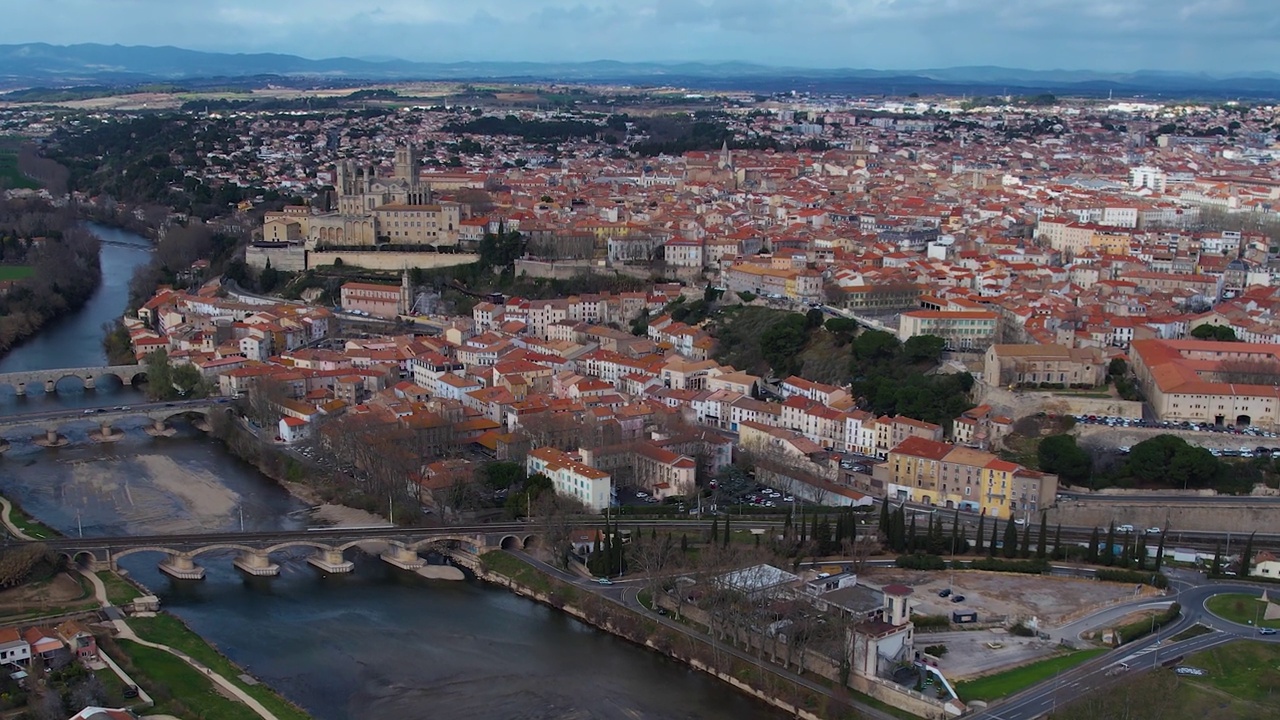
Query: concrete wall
[[1023, 403], [1235, 517], [391, 260], [290, 258]]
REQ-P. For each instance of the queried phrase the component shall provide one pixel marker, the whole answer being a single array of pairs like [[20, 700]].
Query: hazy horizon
[[1100, 35]]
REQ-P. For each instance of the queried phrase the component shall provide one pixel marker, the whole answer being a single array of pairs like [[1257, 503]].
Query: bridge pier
[[88, 383], [403, 558], [50, 386], [20, 389], [51, 439], [160, 429], [4, 445], [331, 561], [256, 563], [182, 567], [105, 433]]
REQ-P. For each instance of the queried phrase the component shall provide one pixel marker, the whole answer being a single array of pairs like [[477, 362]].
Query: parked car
[[1266, 631], [957, 598], [944, 592], [1154, 531], [1126, 528]]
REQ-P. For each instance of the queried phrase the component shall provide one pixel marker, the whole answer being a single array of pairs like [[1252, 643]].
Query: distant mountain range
[[41, 64]]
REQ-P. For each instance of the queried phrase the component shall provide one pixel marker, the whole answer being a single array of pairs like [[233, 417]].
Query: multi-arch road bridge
[[395, 545], [160, 414]]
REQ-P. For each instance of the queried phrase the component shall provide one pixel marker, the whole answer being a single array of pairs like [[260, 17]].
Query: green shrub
[[1027, 567], [1134, 630], [936, 650], [920, 561], [931, 621], [1136, 577], [1022, 630]]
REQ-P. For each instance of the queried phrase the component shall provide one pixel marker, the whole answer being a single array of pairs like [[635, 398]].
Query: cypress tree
[[1246, 557], [757, 541], [911, 537], [956, 534], [981, 538], [653, 533], [786, 526], [1140, 552], [1094, 543], [726, 530], [840, 523], [995, 535], [1126, 553], [813, 527], [1160, 549], [1109, 550], [1010, 547], [898, 536], [1216, 569], [804, 530], [884, 517], [1025, 552], [1042, 551], [715, 529], [1057, 544], [684, 544]]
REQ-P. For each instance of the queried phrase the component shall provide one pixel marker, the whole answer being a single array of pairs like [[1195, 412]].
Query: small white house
[[14, 649], [292, 430]]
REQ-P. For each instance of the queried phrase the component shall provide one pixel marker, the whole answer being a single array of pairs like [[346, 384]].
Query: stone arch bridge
[[47, 380], [160, 415], [397, 546]]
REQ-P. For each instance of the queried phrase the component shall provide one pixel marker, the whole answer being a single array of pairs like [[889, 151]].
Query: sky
[[1213, 36]]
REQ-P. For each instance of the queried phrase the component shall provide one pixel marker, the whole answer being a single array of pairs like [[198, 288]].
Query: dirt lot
[[970, 653], [61, 589], [1050, 600]]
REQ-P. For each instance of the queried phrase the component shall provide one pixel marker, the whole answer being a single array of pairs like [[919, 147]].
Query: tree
[[813, 319], [873, 346], [912, 543], [1118, 367], [1246, 557], [1025, 552], [884, 517], [1109, 550], [1160, 548], [1092, 555], [1220, 333], [715, 529], [982, 516], [160, 376], [995, 534], [1010, 547], [189, 382], [924, 349], [1140, 552], [1215, 570], [727, 532], [1042, 540], [1060, 455]]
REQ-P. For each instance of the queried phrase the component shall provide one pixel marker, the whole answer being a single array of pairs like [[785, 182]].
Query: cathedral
[[375, 210]]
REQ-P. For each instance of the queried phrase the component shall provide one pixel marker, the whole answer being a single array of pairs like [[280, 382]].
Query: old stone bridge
[[160, 414], [47, 380], [395, 545]]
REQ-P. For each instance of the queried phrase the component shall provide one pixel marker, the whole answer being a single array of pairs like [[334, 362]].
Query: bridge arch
[[511, 542], [83, 380], [297, 543]]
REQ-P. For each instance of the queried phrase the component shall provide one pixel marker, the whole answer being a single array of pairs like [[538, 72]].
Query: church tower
[[406, 165], [406, 294]]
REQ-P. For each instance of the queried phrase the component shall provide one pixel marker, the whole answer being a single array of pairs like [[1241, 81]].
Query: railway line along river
[[375, 644]]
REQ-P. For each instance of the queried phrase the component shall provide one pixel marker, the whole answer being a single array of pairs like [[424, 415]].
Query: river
[[76, 340], [377, 643]]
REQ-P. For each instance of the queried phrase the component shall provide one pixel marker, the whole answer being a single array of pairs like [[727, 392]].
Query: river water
[[378, 643]]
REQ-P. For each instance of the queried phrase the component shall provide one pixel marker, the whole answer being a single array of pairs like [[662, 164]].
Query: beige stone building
[[1036, 364], [962, 329], [1203, 381]]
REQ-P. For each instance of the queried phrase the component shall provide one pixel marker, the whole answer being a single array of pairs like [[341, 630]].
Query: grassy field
[[1239, 608], [10, 176], [15, 272], [1193, 631], [29, 526], [1246, 670], [516, 569], [1009, 682], [168, 630], [119, 591], [169, 677]]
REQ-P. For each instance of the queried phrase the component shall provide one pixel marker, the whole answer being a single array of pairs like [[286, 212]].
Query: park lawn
[[12, 176], [24, 522], [1012, 681], [168, 630], [1246, 669], [1239, 608], [16, 272], [119, 591], [167, 675]]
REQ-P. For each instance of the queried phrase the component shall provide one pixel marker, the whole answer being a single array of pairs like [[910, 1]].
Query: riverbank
[[286, 472], [760, 682]]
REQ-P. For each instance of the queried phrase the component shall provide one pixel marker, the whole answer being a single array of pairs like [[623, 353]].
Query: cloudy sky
[[1187, 35]]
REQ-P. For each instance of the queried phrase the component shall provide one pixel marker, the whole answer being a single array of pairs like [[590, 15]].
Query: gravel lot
[[969, 655]]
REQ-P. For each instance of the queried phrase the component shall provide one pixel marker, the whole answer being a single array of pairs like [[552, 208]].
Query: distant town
[[786, 363]]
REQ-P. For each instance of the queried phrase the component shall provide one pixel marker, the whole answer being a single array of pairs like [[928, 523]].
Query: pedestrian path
[[124, 631], [6, 510]]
